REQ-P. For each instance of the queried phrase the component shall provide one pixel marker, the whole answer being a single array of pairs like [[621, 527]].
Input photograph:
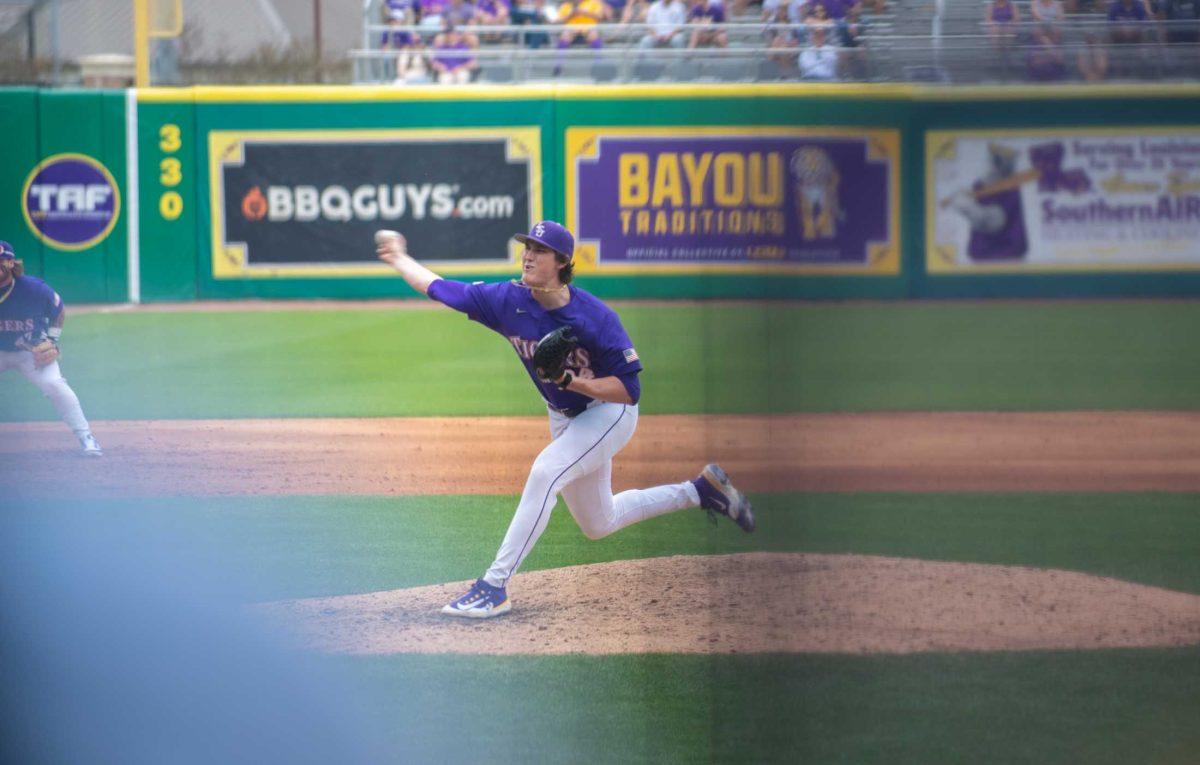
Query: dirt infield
[[1078, 451], [759, 603], [754, 602]]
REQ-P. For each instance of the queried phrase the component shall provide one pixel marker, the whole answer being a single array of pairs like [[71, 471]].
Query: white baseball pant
[[578, 464], [50, 381]]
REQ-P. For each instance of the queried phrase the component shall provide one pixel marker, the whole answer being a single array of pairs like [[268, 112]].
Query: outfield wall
[[58, 138], [781, 191]]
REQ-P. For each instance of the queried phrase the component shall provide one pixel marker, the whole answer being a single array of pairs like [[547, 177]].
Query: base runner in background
[[31, 322], [591, 393]]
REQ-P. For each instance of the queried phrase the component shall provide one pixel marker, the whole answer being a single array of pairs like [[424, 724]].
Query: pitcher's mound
[[758, 603]]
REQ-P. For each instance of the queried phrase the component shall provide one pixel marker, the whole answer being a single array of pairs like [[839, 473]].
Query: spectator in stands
[[798, 12], [1177, 13], [1093, 58], [453, 59], [1045, 58], [702, 16], [432, 13], [616, 8], [634, 12], [493, 13], [581, 17], [817, 15], [778, 36], [1001, 19], [1047, 11], [833, 9], [851, 31], [776, 32], [410, 57], [735, 9], [400, 11], [818, 60], [667, 19], [526, 12], [1126, 19], [460, 13]]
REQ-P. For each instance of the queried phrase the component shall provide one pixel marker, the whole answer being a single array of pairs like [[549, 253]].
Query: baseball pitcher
[[584, 365], [31, 322]]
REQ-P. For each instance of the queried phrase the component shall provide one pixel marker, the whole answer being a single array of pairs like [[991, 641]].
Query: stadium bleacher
[[939, 41]]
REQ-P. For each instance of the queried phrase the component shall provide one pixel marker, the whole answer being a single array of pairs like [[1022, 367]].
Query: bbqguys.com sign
[[71, 201], [297, 203]]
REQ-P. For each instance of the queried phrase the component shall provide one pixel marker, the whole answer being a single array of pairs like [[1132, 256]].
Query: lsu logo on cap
[[71, 201]]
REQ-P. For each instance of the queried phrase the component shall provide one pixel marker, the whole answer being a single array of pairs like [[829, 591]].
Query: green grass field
[[699, 358], [1027, 707], [1115, 706]]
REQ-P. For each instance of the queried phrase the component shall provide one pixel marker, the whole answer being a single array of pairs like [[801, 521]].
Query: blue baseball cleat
[[717, 495], [483, 601]]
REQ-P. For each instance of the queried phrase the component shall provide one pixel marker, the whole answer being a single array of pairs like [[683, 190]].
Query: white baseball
[[383, 234]]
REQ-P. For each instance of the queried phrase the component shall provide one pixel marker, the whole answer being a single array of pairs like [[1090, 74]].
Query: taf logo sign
[[71, 201]]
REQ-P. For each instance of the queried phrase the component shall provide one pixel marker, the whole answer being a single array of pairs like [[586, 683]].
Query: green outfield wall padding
[[65, 210], [190, 140], [167, 191]]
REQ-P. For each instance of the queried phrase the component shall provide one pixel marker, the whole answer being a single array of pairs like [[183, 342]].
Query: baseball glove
[[44, 350], [550, 356]]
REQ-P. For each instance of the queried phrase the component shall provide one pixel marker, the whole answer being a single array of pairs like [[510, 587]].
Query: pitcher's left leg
[[599, 513]]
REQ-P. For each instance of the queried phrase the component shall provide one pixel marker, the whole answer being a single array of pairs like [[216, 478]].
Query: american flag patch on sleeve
[[630, 355]]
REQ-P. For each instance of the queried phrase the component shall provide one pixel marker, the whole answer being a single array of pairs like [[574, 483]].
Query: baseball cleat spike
[[718, 495]]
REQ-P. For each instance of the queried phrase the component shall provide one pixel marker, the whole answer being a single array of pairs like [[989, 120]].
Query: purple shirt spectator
[[490, 10], [835, 9], [1046, 60], [453, 55], [396, 13], [711, 11], [399, 10], [1003, 13], [397, 39]]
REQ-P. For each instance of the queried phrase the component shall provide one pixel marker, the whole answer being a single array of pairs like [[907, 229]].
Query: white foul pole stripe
[[133, 232]]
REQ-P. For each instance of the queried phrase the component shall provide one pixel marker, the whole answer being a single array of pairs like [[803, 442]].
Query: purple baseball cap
[[6, 251], [552, 235]]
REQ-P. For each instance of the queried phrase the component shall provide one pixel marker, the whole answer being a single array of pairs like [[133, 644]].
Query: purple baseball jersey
[[30, 306], [509, 309]]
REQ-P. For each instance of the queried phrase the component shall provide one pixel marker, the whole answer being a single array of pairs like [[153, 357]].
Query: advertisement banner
[[759, 199], [71, 201], [307, 202], [1077, 199]]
